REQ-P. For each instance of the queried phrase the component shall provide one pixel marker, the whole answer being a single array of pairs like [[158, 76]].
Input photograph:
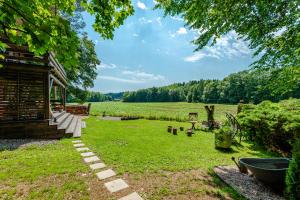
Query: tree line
[[78, 95], [249, 85]]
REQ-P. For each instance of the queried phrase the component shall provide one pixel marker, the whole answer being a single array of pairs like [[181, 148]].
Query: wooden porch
[[33, 97]]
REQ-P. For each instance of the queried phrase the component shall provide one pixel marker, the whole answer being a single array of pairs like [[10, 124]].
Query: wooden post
[[47, 95]]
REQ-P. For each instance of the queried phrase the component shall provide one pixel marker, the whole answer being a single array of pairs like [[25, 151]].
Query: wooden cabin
[[33, 97]]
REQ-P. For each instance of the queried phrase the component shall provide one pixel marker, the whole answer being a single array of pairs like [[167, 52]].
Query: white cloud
[[182, 31], [155, 2], [143, 76], [134, 77], [106, 66], [117, 79], [228, 46], [141, 5], [177, 18], [143, 20], [135, 35], [158, 20], [195, 57]]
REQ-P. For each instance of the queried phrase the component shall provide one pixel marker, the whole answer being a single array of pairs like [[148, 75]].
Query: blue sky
[[153, 50]]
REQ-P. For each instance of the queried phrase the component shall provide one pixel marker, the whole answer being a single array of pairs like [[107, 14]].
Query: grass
[[43, 172], [143, 148], [155, 163], [162, 111]]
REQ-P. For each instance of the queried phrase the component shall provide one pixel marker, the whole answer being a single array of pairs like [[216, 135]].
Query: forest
[[251, 86]]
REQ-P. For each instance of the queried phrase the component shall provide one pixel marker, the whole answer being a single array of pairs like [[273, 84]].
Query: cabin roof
[[20, 58]]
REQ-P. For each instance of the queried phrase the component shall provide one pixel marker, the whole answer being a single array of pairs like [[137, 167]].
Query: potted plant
[[223, 137]]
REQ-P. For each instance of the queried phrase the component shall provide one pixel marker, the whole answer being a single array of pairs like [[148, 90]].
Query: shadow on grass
[[227, 151], [13, 144], [222, 186], [260, 151]]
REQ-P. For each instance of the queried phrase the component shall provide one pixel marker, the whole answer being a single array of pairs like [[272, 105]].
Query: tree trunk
[[210, 116]]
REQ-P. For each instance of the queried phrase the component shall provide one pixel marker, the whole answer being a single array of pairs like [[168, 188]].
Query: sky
[[153, 50]]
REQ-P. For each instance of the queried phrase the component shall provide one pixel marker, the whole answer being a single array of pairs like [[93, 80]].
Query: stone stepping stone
[[132, 196], [105, 174], [116, 185], [86, 154], [76, 141], [91, 159], [78, 145], [82, 149], [97, 166]]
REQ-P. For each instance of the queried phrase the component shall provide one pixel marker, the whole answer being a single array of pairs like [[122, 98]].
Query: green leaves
[[43, 25], [271, 27]]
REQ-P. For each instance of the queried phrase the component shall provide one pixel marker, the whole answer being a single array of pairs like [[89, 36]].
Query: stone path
[[113, 186]]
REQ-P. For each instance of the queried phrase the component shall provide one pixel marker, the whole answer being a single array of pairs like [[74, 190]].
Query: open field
[[162, 166], [163, 111]]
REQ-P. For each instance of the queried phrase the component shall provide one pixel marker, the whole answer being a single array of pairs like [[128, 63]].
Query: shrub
[[274, 125], [223, 137], [293, 174]]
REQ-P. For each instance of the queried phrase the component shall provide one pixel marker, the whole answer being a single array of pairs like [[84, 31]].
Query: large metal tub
[[270, 171]]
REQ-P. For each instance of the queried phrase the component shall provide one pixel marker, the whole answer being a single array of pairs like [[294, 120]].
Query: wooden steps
[[67, 123]]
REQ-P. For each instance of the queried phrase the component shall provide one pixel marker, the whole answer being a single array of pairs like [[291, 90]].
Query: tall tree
[[85, 72], [271, 27]]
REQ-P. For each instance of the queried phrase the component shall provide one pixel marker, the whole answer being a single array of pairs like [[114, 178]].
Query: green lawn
[[156, 164], [51, 171], [166, 111], [143, 149]]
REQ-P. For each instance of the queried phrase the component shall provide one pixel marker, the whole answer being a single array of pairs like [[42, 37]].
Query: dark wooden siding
[[22, 95]]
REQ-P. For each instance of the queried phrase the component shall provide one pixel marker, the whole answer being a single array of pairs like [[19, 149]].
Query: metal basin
[[270, 171]]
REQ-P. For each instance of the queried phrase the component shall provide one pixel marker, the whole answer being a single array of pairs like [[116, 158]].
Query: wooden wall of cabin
[[23, 95]]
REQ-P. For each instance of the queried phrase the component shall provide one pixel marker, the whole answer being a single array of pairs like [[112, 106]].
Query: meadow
[[170, 111], [159, 165]]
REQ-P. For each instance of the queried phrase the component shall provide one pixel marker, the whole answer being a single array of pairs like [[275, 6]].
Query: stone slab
[[116, 185], [82, 149], [91, 159], [86, 154], [132, 196], [105, 174], [97, 166], [79, 145], [76, 141]]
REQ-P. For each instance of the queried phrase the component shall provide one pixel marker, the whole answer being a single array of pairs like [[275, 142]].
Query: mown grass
[[160, 111], [145, 145], [142, 147], [43, 172]]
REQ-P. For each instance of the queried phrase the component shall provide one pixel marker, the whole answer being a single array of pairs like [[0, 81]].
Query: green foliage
[[223, 137], [271, 27], [46, 25], [78, 95], [293, 174], [250, 86], [86, 71], [274, 125]]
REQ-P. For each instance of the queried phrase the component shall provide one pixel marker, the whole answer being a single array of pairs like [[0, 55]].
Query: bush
[[274, 125], [293, 175], [223, 137]]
